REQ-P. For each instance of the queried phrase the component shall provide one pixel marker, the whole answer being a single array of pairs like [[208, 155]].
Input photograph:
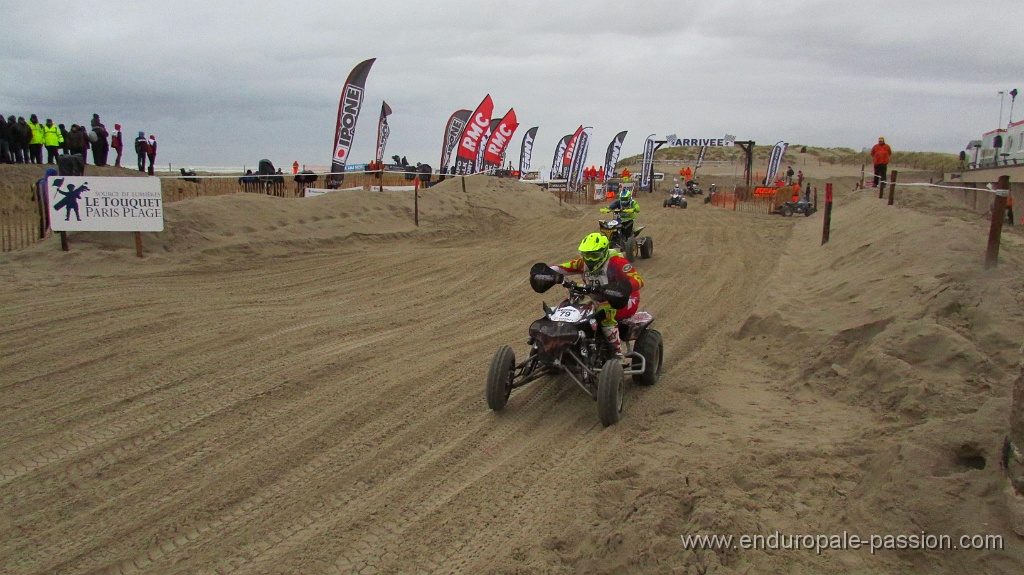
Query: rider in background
[[627, 207], [598, 263]]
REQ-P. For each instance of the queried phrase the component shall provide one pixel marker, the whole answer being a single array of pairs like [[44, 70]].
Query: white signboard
[[98, 204]]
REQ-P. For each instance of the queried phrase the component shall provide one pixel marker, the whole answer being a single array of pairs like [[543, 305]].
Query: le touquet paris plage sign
[[79, 203]]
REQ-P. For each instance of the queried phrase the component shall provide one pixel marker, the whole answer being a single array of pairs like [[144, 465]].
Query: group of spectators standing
[[22, 142]]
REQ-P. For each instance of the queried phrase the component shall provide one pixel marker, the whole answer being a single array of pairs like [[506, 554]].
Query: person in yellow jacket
[[52, 139], [35, 145]]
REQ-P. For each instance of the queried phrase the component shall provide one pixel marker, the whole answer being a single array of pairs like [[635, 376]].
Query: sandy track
[[277, 405]]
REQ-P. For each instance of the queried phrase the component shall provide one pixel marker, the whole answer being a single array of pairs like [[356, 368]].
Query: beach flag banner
[[526, 151], [472, 136], [556, 163], [773, 162], [105, 204], [494, 151], [479, 165], [352, 95], [611, 155], [383, 131], [700, 156], [569, 149], [647, 169], [580, 147], [452, 131]]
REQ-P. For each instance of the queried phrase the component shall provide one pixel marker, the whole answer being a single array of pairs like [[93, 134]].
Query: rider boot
[[611, 335]]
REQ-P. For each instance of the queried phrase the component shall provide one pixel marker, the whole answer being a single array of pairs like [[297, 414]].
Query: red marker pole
[[995, 230], [827, 221], [416, 200]]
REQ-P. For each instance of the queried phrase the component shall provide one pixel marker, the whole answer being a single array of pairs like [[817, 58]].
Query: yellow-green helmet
[[594, 249]]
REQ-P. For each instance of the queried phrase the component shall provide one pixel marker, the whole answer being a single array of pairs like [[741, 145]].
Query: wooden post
[[827, 221], [464, 184], [995, 229], [815, 198], [881, 188], [862, 176], [416, 202], [64, 246], [138, 244], [892, 186]]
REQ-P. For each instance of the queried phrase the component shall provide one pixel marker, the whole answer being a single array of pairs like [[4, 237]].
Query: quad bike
[[789, 208], [678, 198], [624, 238], [712, 190], [692, 189], [568, 340]]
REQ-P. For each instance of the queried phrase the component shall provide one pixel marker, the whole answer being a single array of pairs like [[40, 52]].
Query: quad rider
[[600, 264], [627, 208]]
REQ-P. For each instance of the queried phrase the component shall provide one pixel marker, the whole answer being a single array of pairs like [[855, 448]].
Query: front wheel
[[610, 392], [499, 378], [786, 211], [651, 347], [647, 248], [631, 249]]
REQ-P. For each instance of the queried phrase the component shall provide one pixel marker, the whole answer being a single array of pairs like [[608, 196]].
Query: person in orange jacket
[[880, 154]]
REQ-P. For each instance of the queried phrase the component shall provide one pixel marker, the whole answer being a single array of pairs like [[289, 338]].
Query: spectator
[[24, 136], [117, 143], [35, 144], [141, 144], [100, 145], [78, 142], [5, 148], [64, 137], [789, 176], [151, 152], [52, 140], [880, 155], [1009, 208], [800, 178]]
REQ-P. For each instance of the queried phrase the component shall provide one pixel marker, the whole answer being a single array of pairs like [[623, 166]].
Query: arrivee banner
[[673, 140], [110, 204]]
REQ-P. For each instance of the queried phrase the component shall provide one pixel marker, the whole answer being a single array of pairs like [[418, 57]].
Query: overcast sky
[[226, 83]]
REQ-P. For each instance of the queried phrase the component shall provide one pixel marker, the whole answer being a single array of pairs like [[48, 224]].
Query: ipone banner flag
[[479, 166], [499, 139], [579, 158], [611, 156], [472, 137], [452, 131], [382, 130], [348, 113], [774, 161], [556, 163], [700, 156], [570, 148], [526, 151], [647, 171]]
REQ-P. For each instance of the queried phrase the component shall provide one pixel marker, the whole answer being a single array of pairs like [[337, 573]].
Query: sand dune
[[296, 386]]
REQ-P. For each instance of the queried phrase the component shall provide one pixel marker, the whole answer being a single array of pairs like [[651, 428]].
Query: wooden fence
[[22, 222]]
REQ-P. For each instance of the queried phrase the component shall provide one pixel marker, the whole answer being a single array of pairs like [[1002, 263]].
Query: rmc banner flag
[[499, 139], [472, 137], [348, 113]]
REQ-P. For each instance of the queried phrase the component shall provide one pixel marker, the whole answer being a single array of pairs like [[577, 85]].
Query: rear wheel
[[786, 211], [651, 347], [610, 392], [499, 378], [631, 249], [665, 204], [647, 248]]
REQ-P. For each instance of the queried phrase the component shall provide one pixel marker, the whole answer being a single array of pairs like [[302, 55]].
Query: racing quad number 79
[[568, 339]]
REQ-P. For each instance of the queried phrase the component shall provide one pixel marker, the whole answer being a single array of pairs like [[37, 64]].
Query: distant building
[[982, 153]]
